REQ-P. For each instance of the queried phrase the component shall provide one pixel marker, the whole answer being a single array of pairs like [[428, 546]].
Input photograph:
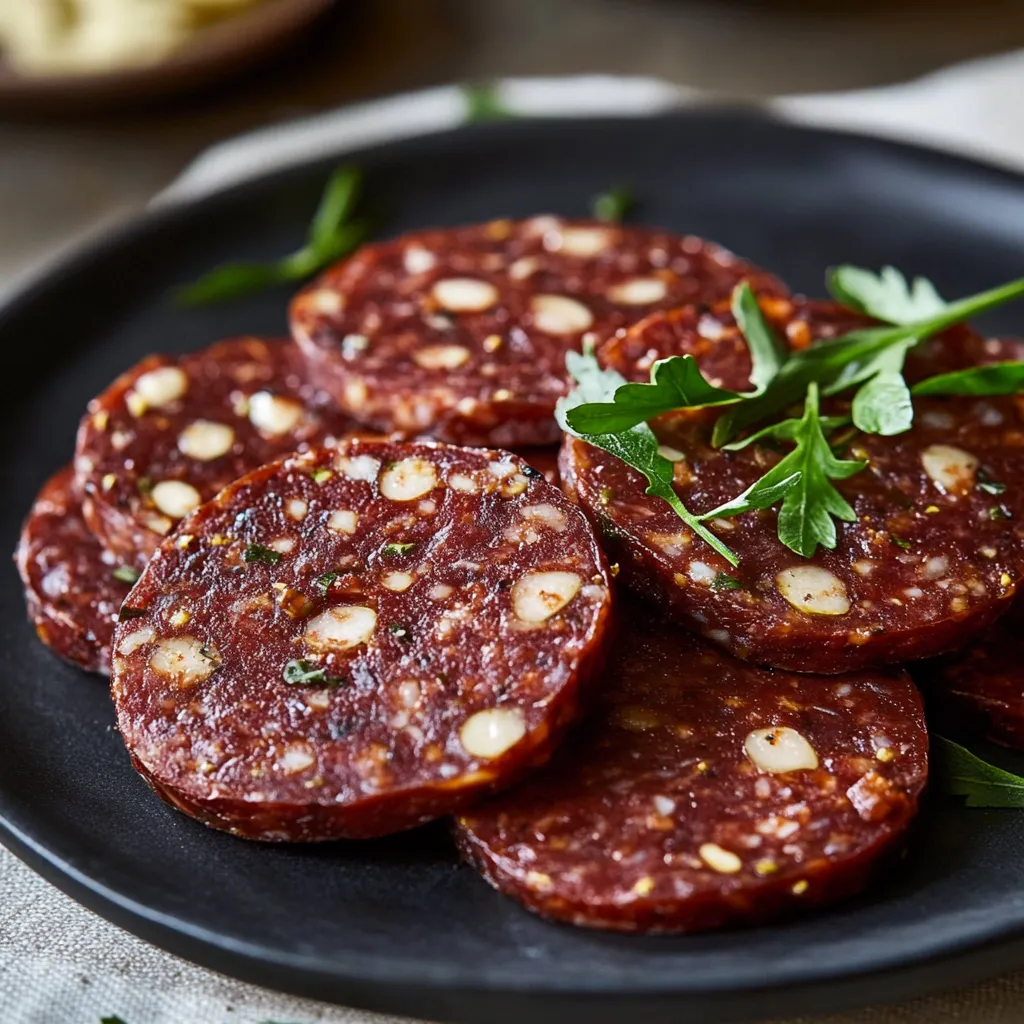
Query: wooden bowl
[[224, 49]]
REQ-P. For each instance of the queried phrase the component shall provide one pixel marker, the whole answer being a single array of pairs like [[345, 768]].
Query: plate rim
[[1001, 948]]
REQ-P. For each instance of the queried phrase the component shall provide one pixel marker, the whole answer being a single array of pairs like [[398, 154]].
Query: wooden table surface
[[60, 177]]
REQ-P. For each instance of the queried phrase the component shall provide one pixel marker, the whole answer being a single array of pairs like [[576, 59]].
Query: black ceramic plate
[[398, 925]]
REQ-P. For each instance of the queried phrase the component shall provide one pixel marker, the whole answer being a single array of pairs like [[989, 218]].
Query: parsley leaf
[[883, 405], [636, 446], [994, 379], [958, 772], [332, 234], [676, 383], [811, 503], [484, 103], [613, 205], [258, 553], [111, 1020], [767, 352], [886, 296]]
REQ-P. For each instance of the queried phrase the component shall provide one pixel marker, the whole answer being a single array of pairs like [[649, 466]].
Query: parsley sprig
[[332, 234], [613, 415], [958, 772]]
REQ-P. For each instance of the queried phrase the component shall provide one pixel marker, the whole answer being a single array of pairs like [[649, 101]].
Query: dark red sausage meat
[[929, 563], [351, 642], [703, 792], [461, 334], [170, 433], [982, 686], [70, 587]]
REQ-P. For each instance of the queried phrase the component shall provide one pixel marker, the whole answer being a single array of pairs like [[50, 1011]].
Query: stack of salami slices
[[346, 584]]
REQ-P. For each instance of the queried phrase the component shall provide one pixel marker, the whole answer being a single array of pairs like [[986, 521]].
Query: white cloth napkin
[[59, 963]]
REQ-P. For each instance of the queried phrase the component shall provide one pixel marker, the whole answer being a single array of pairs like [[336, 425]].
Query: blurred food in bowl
[[61, 37]]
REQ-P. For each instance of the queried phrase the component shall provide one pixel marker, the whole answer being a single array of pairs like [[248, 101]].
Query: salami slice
[[703, 792], [70, 587], [351, 642], [929, 563], [170, 433], [982, 686], [461, 334]]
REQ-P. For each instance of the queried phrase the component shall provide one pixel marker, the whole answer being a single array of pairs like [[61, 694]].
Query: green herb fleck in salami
[[325, 582], [126, 574], [723, 581], [397, 548], [306, 673], [258, 553]]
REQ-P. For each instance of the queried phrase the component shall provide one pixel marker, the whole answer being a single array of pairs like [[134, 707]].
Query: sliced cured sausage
[[931, 560], [982, 686], [351, 642], [170, 433], [71, 588], [703, 792], [461, 334]]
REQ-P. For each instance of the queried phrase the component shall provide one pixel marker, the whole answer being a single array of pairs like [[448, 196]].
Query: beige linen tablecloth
[[59, 963]]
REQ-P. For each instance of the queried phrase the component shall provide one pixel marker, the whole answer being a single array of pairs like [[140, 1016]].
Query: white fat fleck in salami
[[462, 334], [161, 386], [175, 498], [465, 295], [205, 440], [340, 628], [558, 314], [539, 595], [274, 414], [369, 647], [951, 468], [408, 479], [702, 792], [640, 291], [813, 590]]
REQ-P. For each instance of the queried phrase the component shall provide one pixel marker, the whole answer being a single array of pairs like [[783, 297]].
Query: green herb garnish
[[611, 414], [397, 548], [887, 296], [993, 379], [332, 234], [258, 553], [999, 512], [958, 772], [304, 673], [613, 205], [111, 1020], [126, 574], [484, 103], [321, 475], [900, 542], [325, 582]]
